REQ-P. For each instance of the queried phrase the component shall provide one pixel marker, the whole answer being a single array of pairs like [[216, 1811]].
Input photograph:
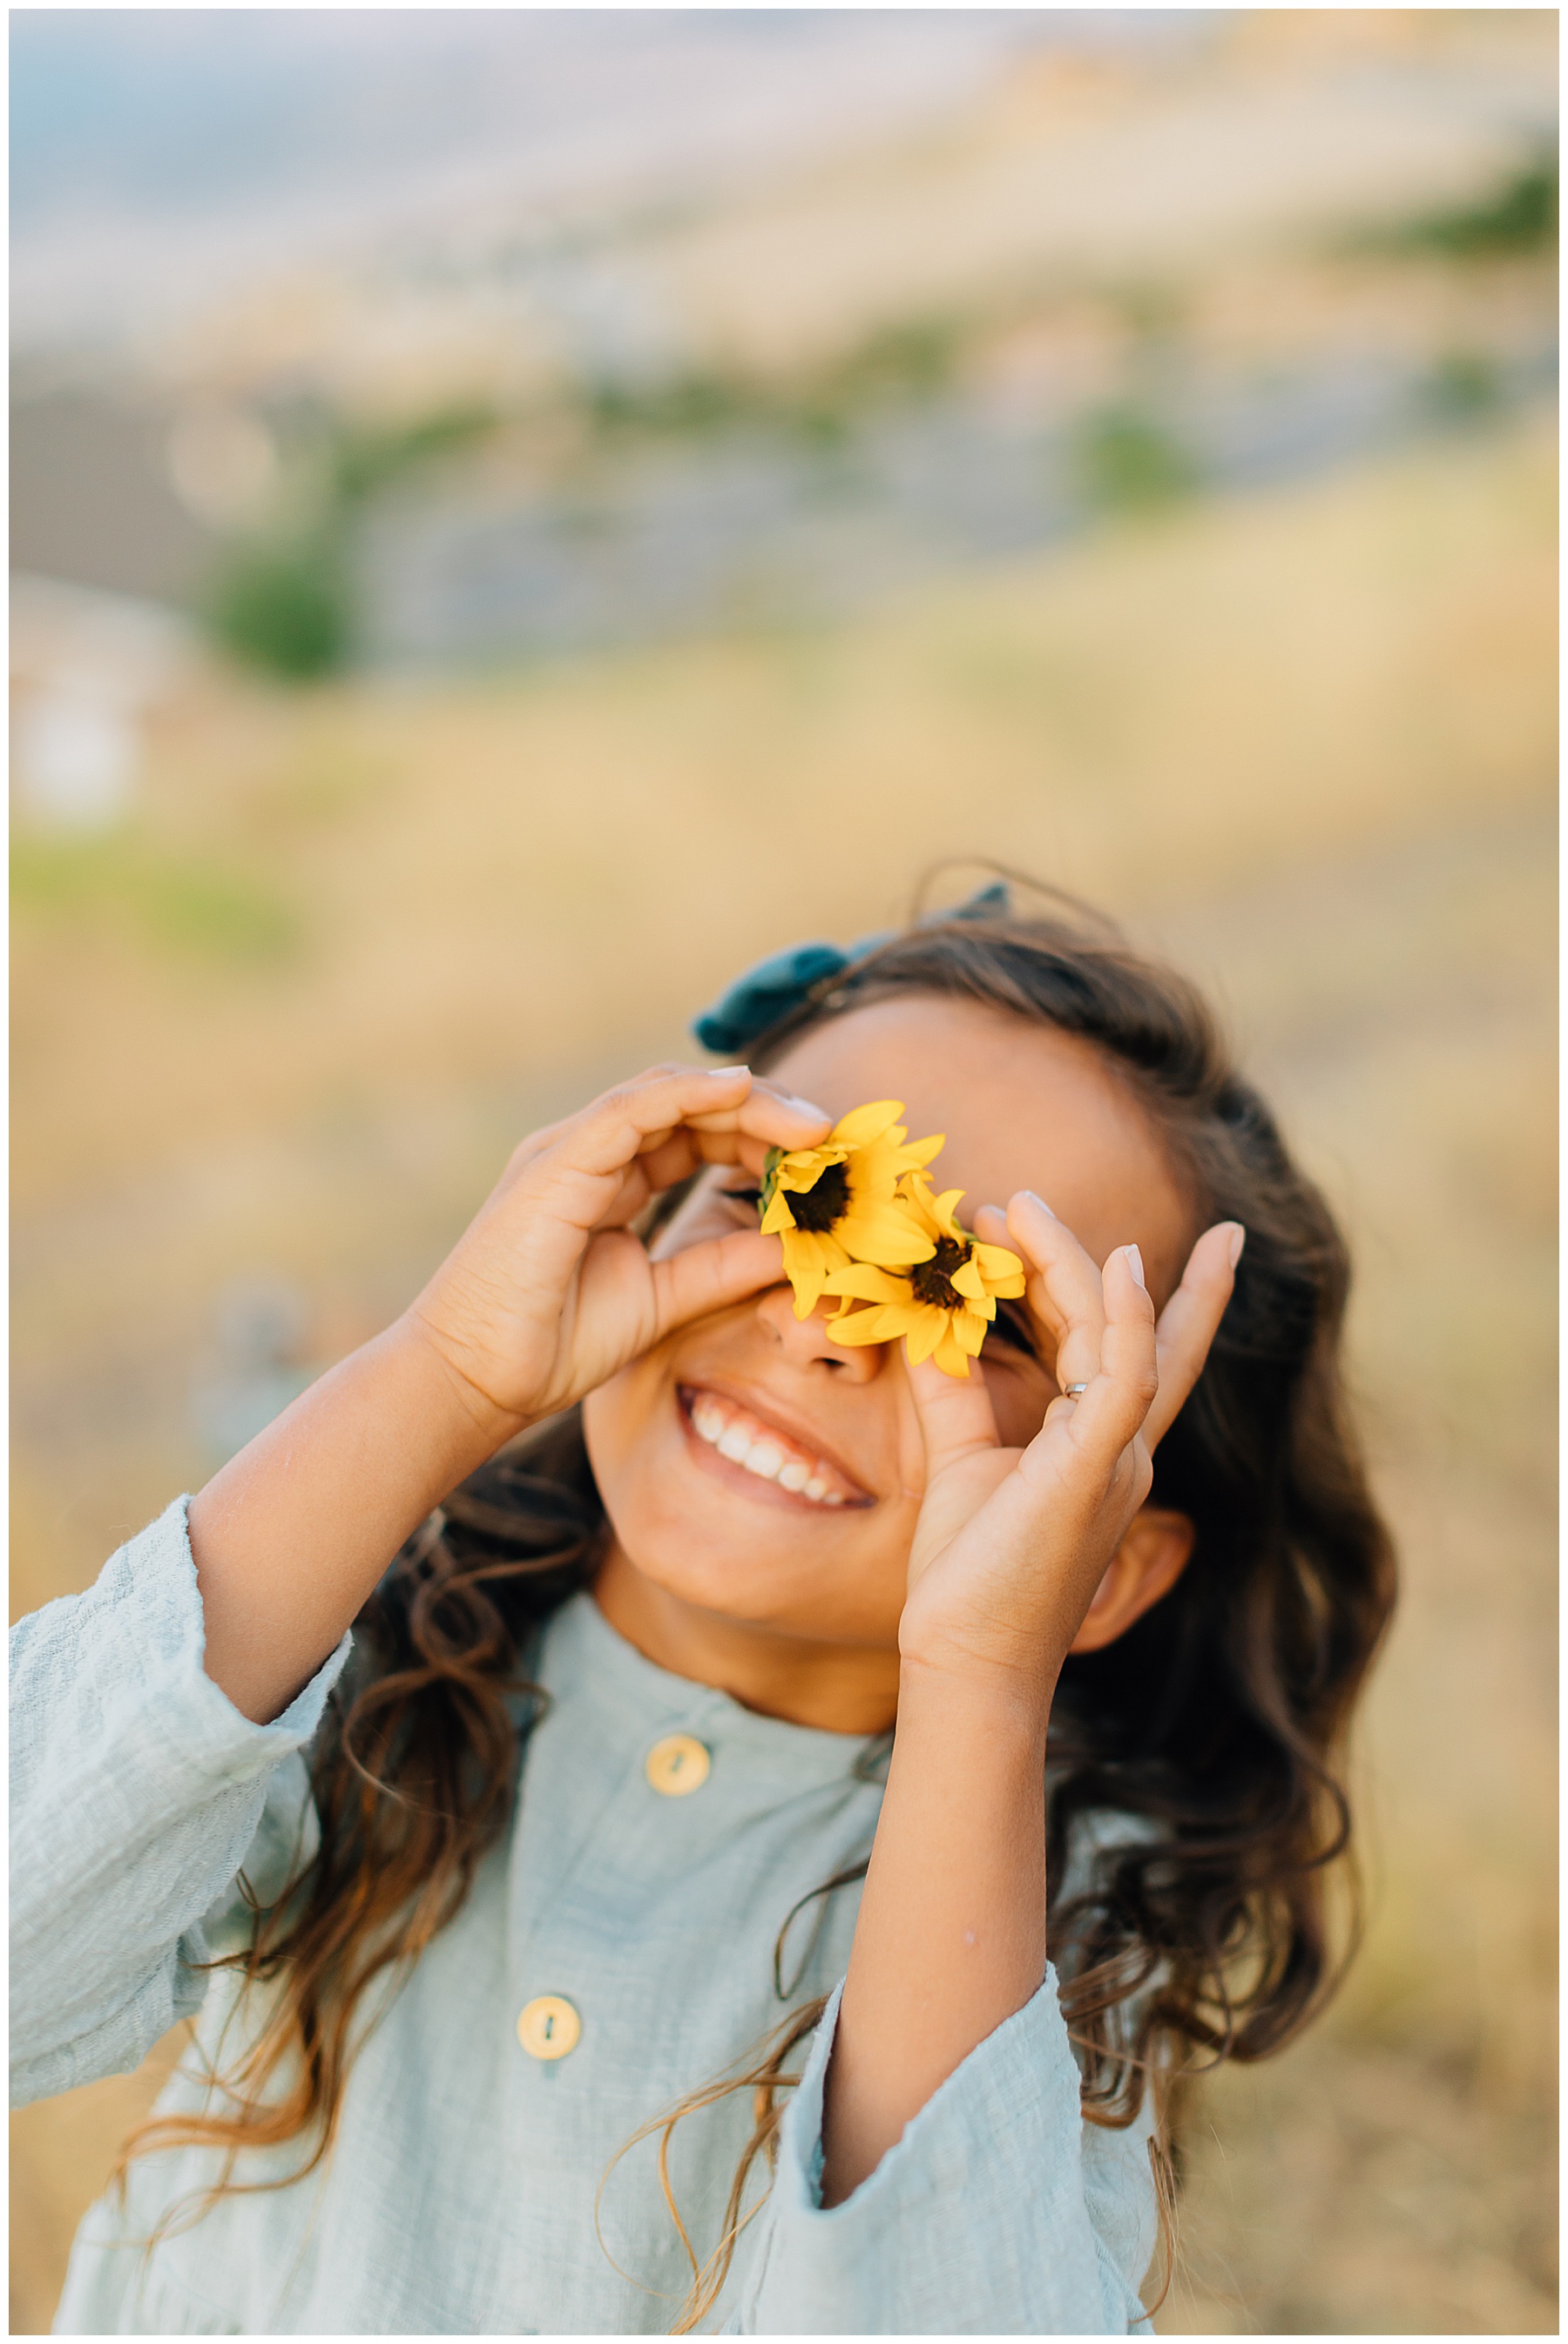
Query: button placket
[[677, 1765], [549, 2026]]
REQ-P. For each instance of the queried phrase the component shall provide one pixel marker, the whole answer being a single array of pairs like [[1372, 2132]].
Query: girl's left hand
[[1011, 1544]]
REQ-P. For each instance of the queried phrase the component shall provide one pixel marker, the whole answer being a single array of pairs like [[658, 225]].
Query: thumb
[[955, 1413], [712, 1276]]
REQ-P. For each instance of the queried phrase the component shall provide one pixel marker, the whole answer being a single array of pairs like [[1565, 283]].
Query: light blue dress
[[459, 2197]]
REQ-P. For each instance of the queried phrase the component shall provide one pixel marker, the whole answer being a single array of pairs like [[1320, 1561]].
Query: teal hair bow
[[773, 991], [781, 985]]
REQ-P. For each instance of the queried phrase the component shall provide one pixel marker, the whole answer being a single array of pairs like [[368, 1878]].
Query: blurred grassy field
[[290, 1021]]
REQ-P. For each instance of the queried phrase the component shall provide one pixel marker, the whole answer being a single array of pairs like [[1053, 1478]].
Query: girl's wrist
[[472, 1422], [1007, 1710]]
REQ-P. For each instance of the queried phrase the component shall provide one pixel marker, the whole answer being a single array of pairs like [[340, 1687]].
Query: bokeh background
[[517, 514]]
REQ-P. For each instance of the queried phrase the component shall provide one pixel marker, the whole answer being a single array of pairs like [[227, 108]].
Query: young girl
[[610, 1708]]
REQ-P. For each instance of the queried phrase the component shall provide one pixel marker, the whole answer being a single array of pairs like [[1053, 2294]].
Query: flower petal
[[996, 1261], [803, 1173], [928, 1332], [967, 1280], [884, 1235], [808, 1257], [867, 1284], [874, 1171], [968, 1333], [950, 1355], [807, 1281], [936, 1212], [864, 1123], [864, 1325]]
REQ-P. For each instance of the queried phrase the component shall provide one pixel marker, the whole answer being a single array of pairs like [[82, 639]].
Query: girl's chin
[[712, 1544], [726, 1535], [775, 1582], [774, 1596]]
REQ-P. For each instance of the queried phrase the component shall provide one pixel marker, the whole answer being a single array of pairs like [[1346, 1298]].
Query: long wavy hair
[[1217, 1720]]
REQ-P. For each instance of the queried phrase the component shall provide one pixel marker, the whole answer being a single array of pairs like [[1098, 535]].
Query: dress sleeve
[[997, 2212], [138, 1792]]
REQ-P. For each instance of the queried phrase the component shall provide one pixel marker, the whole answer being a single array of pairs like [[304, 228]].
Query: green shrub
[[365, 461], [285, 608], [1127, 462], [1520, 216], [1461, 387], [688, 407]]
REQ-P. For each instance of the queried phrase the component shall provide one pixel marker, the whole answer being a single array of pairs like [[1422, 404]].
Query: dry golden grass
[[1306, 742]]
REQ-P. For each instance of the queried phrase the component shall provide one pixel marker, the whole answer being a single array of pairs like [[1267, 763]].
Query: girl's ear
[[1145, 1566]]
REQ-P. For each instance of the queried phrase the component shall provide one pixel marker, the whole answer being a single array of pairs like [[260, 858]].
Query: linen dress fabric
[[460, 2196]]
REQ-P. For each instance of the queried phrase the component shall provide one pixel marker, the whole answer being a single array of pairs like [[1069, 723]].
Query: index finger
[[1064, 1288], [1115, 1408], [642, 1116], [766, 1112], [1190, 1320], [766, 1118]]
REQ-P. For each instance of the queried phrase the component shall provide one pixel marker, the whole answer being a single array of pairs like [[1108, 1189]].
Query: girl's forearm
[[293, 1534], [950, 1939]]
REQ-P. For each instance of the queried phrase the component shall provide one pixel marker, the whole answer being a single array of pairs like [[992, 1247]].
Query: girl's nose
[[802, 1340]]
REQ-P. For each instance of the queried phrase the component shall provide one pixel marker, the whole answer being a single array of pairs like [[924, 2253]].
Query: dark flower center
[[933, 1281], [817, 1208]]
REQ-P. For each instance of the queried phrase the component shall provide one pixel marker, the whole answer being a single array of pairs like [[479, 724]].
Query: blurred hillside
[[1133, 463], [1121, 258]]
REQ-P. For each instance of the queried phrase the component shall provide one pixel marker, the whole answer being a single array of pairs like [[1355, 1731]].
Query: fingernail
[[1044, 1207], [1135, 1264], [726, 1073], [1238, 1240], [807, 1106]]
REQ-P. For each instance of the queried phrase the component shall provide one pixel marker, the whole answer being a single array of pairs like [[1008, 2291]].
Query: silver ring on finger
[[1074, 1392]]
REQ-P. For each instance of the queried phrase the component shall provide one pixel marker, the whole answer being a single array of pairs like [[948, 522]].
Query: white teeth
[[709, 1419], [759, 1453]]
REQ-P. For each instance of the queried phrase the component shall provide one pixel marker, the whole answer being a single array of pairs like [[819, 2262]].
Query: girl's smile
[[733, 1433]]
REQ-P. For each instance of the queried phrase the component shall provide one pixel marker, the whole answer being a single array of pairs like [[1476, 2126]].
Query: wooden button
[[677, 1764], [548, 2027]]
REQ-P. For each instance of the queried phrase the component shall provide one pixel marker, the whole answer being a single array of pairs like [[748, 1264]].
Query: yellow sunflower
[[840, 1203], [941, 1304]]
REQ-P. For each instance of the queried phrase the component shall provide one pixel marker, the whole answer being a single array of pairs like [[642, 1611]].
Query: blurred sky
[[154, 151], [236, 229]]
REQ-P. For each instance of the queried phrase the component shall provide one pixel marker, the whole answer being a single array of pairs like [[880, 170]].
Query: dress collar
[[587, 1665]]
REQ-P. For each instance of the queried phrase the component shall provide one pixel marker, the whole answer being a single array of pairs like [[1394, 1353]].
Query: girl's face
[[1023, 1107]]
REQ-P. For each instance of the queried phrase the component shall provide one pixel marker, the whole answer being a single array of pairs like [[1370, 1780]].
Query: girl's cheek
[[911, 1450], [1018, 1402], [1017, 1418], [612, 1420]]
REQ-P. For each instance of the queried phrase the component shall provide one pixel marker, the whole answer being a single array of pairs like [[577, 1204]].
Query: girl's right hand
[[548, 1293]]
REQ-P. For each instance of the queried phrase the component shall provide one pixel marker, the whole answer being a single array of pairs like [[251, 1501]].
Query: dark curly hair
[[1218, 1719]]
